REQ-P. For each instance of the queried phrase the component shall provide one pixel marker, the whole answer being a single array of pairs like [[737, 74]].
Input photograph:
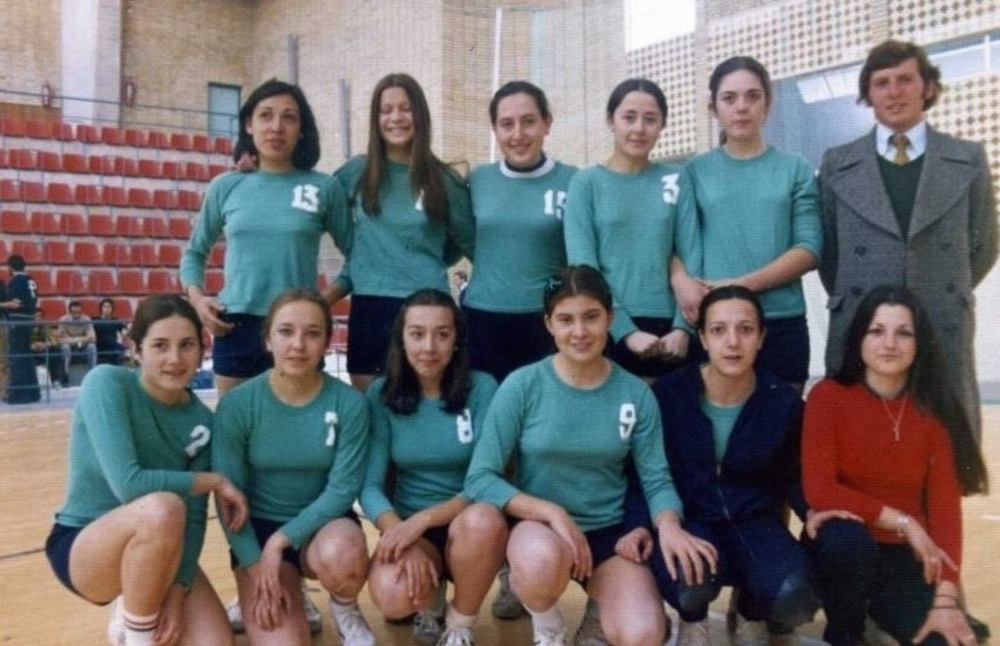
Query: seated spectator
[[77, 337], [110, 335], [45, 348]]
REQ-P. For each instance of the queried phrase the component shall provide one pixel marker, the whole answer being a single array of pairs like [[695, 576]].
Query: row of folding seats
[[114, 254], [114, 136], [54, 307], [26, 159], [96, 195], [102, 225], [68, 283]]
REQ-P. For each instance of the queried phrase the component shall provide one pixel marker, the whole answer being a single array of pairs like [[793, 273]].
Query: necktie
[[900, 142]]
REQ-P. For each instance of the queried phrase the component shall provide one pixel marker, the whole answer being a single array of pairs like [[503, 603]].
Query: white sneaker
[[694, 633], [506, 605], [549, 636], [428, 627], [351, 626], [235, 615], [590, 632], [116, 624], [456, 636], [313, 616]]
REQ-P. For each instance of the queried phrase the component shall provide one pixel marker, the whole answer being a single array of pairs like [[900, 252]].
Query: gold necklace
[[897, 419]]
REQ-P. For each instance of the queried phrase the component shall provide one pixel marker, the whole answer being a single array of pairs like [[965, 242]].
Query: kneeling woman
[[732, 440], [571, 422], [887, 440], [427, 416], [134, 519], [296, 440]]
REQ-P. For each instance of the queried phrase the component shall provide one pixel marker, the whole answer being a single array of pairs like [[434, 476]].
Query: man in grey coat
[[908, 205]]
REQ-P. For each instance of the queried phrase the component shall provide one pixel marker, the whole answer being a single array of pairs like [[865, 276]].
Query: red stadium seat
[[73, 224], [101, 165], [163, 281], [90, 194], [44, 223], [116, 254], [91, 307], [10, 190], [75, 163], [214, 281], [69, 282], [214, 170], [136, 138], [102, 282], [342, 308], [140, 198], [222, 146], [22, 159], [163, 199], [128, 226], [181, 141], [33, 192], [14, 222], [173, 170], [4, 161], [196, 172], [101, 224], [87, 253], [202, 143], [88, 134], [169, 255], [35, 129], [43, 280], [123, 308], [153, 226], [149, 168], [59, 193], [144, 254], [112, 136], [13, 127], [158, 139], [115, 196], [132, 282], [50, 162], [30, 251], [57, 252], [52, 308], [189, 200], [127, 166], [180, 228], [61, 131], [217, 256]]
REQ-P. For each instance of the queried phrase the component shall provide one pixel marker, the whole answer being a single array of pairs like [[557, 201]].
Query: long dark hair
[[306, 152], [628, 86], [156, 307], [927, 383], [401, 390], [427, 172], [736, 64]]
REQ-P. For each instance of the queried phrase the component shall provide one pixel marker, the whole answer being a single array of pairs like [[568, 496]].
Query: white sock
[[551, 618], [135, 637], [453, 617], [339, 608]]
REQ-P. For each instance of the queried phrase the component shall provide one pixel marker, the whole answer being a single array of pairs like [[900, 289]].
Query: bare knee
[[161, 515], [480, 528], [388, 594], [339, 558]]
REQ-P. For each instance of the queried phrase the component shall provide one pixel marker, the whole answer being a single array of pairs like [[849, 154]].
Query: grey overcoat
[[952, 244]]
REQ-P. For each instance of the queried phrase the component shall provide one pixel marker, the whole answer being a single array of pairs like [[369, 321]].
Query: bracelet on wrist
[[902, 522]]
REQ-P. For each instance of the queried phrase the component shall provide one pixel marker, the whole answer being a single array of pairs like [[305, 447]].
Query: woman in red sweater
[[887, 441]]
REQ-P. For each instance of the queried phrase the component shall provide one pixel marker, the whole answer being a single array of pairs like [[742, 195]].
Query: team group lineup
[[616, 402]]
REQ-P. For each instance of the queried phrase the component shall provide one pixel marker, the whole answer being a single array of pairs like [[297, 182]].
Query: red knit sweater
[[852, 461]]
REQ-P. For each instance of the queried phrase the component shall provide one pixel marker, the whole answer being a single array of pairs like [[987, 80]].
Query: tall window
[[223, 110]]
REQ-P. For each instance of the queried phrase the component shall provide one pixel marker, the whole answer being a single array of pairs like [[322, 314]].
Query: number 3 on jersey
[[671, 188], [626, 420], [463, 426], [554, 203], [306, 198]]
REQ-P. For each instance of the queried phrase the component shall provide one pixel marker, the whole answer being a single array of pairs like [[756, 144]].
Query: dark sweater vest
[[901, 183]]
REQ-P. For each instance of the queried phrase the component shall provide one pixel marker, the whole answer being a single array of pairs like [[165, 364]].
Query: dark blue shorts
[[601, 542], [241, 353], [263, 529], [58, 546], [368, 329], [785, 352], [651, 368], [438, 537], [500, 342]]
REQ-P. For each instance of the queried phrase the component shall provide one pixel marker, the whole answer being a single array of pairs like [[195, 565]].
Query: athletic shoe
[[313, 616], [456, 636], [351, 626], [506, 605], [743, 632], [550, 636], [235, 615], [590, 633], [694, 633], [116, 624], [428, 627]]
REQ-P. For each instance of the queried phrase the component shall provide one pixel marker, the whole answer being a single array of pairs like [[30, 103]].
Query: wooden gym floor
[[35, 609]]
